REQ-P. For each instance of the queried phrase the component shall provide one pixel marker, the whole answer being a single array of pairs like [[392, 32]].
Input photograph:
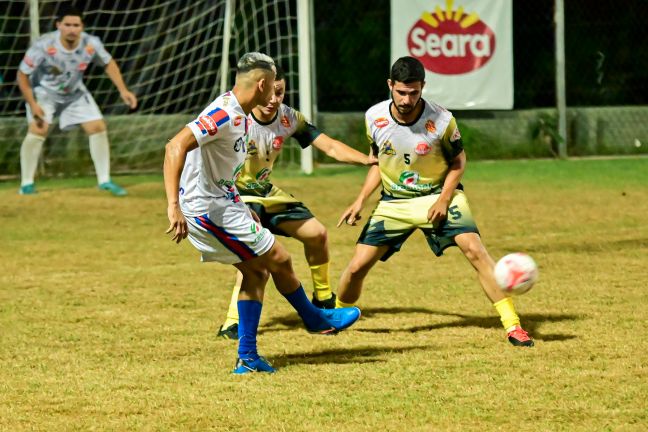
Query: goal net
[[170, 54]]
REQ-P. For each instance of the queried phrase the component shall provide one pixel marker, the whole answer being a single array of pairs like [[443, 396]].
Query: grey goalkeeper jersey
[[58, 70]]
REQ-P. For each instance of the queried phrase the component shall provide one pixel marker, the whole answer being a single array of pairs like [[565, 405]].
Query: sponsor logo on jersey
[[28, 61], [82, 66], [409, 178], [456, 135], [451, 42], [388, 149], [89, 49], [430, 126], [51, 50], [237, 120], [209, 123], [381, 122], [262, 176], [237, 172], [252, 148], [239, 145], [277, 143], [422, 148], [254, 228], [285, 122], [54, 70]]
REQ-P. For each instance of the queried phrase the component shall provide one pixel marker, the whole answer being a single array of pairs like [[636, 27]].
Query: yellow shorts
[[393, 221], [275, 207]]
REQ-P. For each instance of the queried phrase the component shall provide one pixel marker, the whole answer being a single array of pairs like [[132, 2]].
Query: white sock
[[30, 151], [100, 153]]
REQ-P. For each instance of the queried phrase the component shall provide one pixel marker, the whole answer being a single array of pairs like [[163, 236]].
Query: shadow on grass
[[344, 356], [530, 322]]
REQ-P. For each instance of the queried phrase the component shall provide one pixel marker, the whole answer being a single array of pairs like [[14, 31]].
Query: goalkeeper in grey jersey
[[50, 78]]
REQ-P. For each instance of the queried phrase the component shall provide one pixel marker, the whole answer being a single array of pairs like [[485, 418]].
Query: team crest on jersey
[[277, 143], [82, 66], [388, 149], [409, 178], [262, 176], [51, 50], [28, 61], [252, 148], [430, 126], [422, 148], [456, 135], [381, 122], [237, 120], [89, 49], [285, 121]]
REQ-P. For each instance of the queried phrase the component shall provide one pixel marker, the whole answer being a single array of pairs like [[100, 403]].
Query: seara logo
[[451, 42]]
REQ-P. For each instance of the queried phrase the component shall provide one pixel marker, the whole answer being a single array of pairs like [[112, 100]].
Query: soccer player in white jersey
[[271, 125], [50, 78], [420, 165], [201, 165]]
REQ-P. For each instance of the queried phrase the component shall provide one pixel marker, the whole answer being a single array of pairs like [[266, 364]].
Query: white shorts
[[229, 234], [70, 114]]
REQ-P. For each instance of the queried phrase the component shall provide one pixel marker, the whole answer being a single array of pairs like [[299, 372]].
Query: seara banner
[[466, 47]]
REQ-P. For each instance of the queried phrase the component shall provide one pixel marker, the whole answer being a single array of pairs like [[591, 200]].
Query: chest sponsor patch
[[381, 122], [285, 122], [422, 148], [277, 143], [430, 126]]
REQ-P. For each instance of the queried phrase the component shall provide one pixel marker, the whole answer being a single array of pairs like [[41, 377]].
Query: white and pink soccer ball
[[516, 273]]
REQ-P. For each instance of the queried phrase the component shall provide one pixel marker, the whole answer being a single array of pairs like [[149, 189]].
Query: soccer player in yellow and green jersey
[[278, 211], [420, 165]]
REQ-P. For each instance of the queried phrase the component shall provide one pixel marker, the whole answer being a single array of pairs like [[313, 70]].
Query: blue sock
[[249, 316], [306, 310]]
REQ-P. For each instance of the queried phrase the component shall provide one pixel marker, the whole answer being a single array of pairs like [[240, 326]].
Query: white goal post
[[175, 55]]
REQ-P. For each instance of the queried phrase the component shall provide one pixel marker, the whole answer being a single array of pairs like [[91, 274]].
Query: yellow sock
[[507, 313], [232, 312], [321, 284], [339, 304]]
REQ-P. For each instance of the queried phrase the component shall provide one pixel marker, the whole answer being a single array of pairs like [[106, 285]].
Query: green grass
[[108, 325]]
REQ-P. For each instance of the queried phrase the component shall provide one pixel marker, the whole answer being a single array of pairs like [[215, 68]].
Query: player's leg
[[382, 236], [313, 235], [320, 321], [84, 111], [476, 253], [32, 145], [229, 328], [351, 281]]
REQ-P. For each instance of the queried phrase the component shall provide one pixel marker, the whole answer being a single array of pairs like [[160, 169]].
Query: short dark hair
[[69, 10], [407, 70], [281, 74]]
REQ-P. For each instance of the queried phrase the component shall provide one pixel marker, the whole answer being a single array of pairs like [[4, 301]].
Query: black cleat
[[230, 332], [324, 304]]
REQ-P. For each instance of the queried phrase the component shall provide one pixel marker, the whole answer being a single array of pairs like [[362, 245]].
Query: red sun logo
[[451, 42]]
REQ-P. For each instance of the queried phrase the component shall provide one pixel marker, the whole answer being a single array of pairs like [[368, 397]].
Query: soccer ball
[[516, 273]]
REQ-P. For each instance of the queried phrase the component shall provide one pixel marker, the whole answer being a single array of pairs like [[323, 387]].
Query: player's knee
[[256, 275], [357, 270], [279, 258], [475, 252]]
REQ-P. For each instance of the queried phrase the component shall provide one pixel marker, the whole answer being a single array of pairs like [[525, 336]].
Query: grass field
[[106, 324]]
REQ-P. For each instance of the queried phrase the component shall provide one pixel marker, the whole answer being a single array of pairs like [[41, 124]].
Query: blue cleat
[[244, 366], [113, 188], [29, 189], [336, 320]]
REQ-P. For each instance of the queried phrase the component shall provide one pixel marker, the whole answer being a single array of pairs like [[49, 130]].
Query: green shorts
[[276, 207], [393, 221]]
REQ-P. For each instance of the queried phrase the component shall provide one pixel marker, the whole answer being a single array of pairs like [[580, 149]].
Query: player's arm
[[340, 151], [174, 159], [113, 72], [26, 89], [352, 214], [457, 166]]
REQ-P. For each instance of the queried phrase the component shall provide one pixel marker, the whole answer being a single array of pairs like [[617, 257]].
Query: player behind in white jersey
[[420, 164], [271, 125], [201, 165], [50, 78]]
